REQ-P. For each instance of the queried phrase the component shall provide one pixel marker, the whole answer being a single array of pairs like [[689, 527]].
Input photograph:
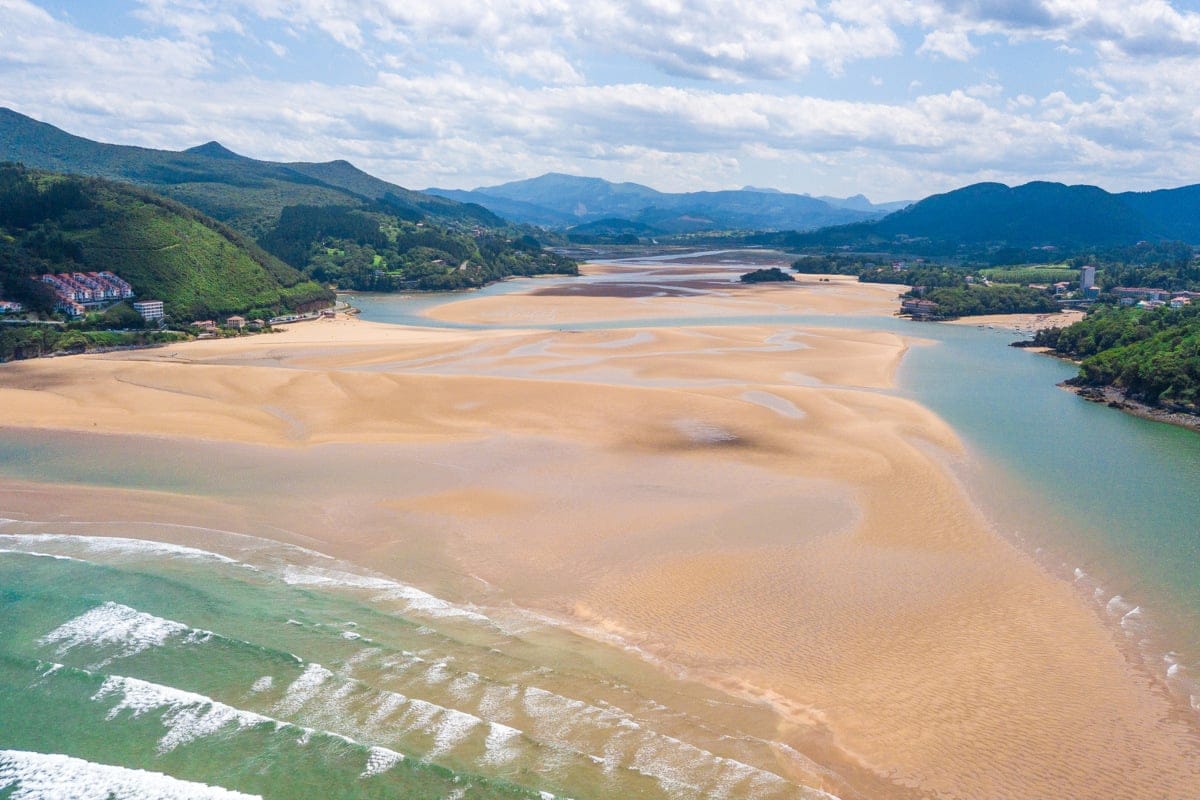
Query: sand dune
[[749, 504]]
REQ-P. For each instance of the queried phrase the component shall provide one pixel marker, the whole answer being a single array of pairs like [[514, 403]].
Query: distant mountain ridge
[[1036, 214], [563, 201]]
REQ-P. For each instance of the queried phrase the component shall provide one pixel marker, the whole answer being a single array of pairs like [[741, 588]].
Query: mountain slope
[[557, 200], [245, 193], [1170, 213], [1037, 214], [331, 221], [198, 267], [1033, 214]]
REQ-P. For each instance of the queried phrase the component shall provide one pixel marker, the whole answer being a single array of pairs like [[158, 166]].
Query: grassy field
[[1031, 274]]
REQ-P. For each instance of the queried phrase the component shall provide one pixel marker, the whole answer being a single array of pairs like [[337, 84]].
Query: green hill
[[198, 267], [611, 230], [993, 217], [247, 194], [1151, 355], [331, 221]]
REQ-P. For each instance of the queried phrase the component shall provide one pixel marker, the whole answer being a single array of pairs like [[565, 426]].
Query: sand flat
[[822, 563]]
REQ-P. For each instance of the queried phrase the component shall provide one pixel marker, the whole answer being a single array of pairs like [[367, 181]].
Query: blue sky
[[895, 100]]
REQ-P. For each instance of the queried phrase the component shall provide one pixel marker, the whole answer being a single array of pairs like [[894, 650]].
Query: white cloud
[[466, 93], [955, 45], [545, 66]]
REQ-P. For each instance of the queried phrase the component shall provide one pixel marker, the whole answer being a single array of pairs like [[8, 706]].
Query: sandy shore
[[747, 503], [1021, 323]]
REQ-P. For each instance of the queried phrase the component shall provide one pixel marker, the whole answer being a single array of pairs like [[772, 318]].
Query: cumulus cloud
[[954, 45], [464, 93]]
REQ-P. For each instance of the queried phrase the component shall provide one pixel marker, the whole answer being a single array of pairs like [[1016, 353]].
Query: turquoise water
[[1114, 495], [284, 675]]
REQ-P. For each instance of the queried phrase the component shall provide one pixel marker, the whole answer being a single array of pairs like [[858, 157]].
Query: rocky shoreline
[[1115, 398]]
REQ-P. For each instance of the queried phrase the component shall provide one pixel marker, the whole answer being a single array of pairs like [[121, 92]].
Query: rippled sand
[[747, 505]]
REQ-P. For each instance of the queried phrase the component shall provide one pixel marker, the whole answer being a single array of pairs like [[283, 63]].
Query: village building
[[1128, 295], [917, 308], [149, 309], [88, 288]]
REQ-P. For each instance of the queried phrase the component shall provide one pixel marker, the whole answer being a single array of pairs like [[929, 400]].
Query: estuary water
[[135, 667]]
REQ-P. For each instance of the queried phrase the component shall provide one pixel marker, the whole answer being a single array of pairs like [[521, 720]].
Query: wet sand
[[747, 505]]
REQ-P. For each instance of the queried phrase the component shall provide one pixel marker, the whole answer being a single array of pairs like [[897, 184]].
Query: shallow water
[[288, 676]]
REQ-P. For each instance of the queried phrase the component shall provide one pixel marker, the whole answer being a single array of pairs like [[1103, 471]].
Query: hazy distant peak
[[761, 189]]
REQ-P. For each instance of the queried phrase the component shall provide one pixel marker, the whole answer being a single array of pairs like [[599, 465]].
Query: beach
[[747, 505]]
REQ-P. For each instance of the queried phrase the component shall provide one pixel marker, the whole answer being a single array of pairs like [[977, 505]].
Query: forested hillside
[[198, 267], [1153, 355], [370, 249], [300, 210]]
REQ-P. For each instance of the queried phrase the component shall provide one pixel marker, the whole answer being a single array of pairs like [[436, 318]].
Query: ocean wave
[[188, 716], [380, 760], [303, 689], [416, 601], [116, 544], [50, 776], [117, 626], [36, 554]]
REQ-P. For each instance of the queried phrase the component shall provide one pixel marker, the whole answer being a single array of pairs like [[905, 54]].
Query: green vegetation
[[1028, 274], [1152, 355], [198, 267], [31, 341], [970, 301], [245, 193], [366, 237], [370, 249], [869, 270], [611, 231], [1039, 222], [1161, 265], [773, 274]]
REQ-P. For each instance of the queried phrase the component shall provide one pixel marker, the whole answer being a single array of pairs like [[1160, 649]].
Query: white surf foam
[[124, 629], [188, 716], [500, 746], [1118, 606], [304, 688], [117, 545], [380, 760], [50, 776], [416, 600], [36, 554], [678, 767], [262, 684]]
